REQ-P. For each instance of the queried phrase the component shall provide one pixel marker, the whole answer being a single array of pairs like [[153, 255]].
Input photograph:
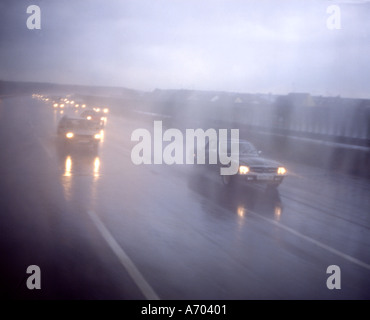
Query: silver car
[[79, 131], [253, 168]]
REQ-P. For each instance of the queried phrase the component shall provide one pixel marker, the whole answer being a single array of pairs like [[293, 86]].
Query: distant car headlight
[[281, 170], [89, 117], [97, 136], [243, 169], [55, 105], [62, 105], [69, 135], [105, 110]]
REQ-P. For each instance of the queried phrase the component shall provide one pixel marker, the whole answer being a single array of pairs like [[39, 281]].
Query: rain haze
[[184, 150]]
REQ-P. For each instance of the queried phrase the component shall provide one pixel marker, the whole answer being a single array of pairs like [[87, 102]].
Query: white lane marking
[[125, 260], [316, 242]]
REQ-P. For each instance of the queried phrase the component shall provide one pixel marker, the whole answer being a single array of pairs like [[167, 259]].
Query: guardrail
[[332, 148]]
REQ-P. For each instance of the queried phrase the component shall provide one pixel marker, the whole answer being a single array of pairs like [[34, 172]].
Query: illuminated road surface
[[100, 227]]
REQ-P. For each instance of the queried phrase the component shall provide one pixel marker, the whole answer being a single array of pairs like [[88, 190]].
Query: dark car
[[78, 131], [253, 168], [94, 116]]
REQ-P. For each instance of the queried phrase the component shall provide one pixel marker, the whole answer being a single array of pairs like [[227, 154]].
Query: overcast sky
[[229, 45]]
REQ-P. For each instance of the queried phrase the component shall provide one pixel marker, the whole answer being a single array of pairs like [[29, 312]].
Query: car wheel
[[227, 180]]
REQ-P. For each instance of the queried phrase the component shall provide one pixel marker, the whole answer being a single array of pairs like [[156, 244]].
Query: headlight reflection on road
[[277, 212], [68, 167], [67, 181], [96, 167], [241, 211], [86, 172]]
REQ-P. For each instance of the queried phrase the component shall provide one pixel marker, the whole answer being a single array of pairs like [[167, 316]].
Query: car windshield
[[245, 148], [88, 113], [81, 124]]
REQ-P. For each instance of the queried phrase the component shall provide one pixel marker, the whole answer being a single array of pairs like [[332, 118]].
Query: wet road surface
[[100, 227]]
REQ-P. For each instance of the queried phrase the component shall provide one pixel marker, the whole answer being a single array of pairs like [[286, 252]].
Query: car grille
[[263, 170], [83, 136]]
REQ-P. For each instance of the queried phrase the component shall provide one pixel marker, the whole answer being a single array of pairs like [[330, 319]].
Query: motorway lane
[[191, 222], [183, 233], [38, 226], [330, 223]]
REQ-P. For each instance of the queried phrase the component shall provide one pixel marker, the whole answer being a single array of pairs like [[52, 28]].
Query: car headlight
[[88, 117], [105, 110], [281, 170], [243, 169], [97, 136], [69, 135], [55, 105]]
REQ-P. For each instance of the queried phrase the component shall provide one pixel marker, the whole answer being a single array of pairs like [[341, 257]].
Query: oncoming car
[[79, 131], [58, 105], [253, 168], [94, 116]]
